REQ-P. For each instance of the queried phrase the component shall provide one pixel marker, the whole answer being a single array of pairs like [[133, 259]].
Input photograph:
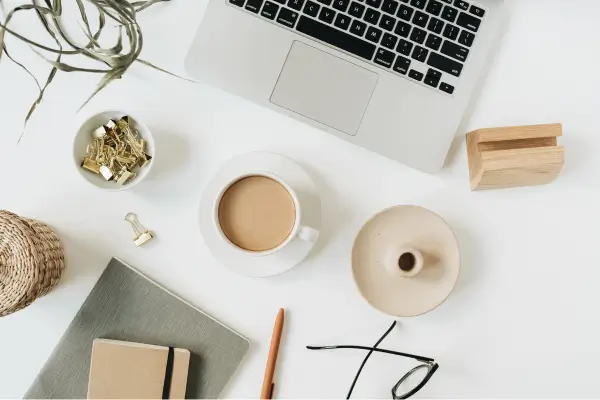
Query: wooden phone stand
[[514, 156]]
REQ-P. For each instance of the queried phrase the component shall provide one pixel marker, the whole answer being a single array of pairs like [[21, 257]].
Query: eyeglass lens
[[410, 381]]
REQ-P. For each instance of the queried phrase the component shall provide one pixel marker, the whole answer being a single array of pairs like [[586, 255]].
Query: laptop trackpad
[[324, 88]]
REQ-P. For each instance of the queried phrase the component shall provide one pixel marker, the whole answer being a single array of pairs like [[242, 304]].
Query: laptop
[[393, 76]]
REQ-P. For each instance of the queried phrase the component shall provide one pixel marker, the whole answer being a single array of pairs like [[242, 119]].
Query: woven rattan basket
[[31, 261]]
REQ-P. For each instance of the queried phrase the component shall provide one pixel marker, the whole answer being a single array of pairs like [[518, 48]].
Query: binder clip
[[141, 234]]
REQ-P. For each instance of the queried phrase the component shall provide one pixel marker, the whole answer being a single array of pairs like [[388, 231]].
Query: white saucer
[[310, 202]]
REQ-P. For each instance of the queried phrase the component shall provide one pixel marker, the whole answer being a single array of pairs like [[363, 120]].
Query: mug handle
[[308, 234]]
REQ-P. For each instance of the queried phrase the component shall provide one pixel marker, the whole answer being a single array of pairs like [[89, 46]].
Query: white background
[[523, 320]]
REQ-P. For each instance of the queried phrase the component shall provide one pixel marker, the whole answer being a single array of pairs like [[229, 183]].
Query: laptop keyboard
[[427, 41]]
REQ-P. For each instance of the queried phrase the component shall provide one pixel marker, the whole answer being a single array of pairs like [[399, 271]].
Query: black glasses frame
[[428, 363]]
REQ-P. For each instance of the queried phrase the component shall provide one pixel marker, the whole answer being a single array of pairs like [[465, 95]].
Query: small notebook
[[125, 305], [126, 370]]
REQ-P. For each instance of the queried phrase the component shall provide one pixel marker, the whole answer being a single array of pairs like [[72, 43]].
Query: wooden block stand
[[514, 156]]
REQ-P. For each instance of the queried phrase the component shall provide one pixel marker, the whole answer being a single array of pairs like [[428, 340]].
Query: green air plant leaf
[[114, 59], [2, 46], [149, 64], [69, 68], [142, 5], [22, 67], [40, 13], [108, 78], [84, 17]]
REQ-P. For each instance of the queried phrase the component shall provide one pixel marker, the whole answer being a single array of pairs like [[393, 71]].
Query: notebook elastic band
[[168, 374]]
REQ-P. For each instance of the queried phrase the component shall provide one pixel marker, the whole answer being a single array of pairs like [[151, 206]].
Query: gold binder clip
[[141, 234]]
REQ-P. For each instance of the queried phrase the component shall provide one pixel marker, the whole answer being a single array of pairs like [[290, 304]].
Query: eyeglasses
[[409, 384]]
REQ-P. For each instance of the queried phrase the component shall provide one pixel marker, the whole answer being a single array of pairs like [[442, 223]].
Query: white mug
[[300, 231]]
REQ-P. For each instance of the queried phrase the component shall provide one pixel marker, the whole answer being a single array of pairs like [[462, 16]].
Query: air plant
[[113, 61]]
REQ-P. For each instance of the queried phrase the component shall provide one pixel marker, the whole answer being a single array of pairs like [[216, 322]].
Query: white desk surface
[[523, 320]]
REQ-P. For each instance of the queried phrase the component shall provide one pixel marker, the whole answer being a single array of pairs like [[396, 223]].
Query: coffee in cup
[[260, 214], [257, 213]]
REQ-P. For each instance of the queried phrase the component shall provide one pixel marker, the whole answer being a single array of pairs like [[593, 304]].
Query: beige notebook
[[125, 370]]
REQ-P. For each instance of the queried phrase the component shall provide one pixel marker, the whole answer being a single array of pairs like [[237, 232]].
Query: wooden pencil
[[268, 384]]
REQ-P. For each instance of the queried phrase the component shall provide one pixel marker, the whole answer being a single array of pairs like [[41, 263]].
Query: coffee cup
[[259, 214]]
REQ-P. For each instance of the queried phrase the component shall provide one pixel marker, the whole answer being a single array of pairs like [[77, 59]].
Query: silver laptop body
[[393, 76]]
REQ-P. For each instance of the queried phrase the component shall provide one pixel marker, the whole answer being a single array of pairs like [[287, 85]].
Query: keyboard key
[[342, 21], [455, 51], [327, 15], [444, 87], [435, 25], [449, 14], [432, 77], [374, 3], [358, 27], [420, 4], [433, 72], [466, 38], [434, 7], [287, 17], [404, 47], [402, 29], [461, 4], [416, 75], [387, 22], [433, 41], [420, 53], [341, 5], [405, 12], [431, 81], [311, 8], [384, 57], [420, 19], [468, 21], [269, 10], [372, 16], [389, 6], [356, 10], [389, 41], [401, 65], [445, 64], [451, 31], [239, 3], [296, 4], [418, 35], [447, 1], [480, 12], [373, 34], [336, 38], [254, 5], [326, 2]]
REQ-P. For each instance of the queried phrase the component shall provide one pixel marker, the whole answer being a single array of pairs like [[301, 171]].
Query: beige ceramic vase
[[405, 261]]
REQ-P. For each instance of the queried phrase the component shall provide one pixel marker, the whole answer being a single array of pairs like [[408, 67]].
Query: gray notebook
[[125, 305]]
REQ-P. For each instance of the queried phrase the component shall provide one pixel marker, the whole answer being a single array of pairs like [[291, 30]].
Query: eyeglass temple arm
[[396, 353]]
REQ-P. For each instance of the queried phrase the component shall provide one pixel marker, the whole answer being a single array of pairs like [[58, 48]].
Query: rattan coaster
[[31, 261]]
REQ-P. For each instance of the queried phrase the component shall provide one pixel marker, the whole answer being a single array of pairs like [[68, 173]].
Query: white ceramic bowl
[[84, 137]]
